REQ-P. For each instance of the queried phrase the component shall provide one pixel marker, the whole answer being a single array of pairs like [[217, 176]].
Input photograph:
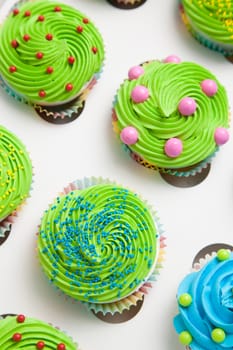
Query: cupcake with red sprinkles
[[21, 332], [172, 116], [101, 244], [51, 55]]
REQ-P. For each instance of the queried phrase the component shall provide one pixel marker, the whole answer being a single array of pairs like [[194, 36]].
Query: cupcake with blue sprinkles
[[205, 302], [102, 245]]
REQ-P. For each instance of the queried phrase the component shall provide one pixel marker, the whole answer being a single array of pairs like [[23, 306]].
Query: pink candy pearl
[[173, 147], [139, 94], [135, 72], [172, 59], [209, 87], [221, 136], [187, 106], [129, 135]]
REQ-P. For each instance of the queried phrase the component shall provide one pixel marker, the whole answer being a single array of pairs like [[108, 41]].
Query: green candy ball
[[185, 338], [223, 254], [218, 335], [185, 299]]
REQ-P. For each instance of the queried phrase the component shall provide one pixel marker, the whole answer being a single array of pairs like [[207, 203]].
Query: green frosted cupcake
[[100, 244], [16, 179], [210, 22], [51, 55], [20, 332], [171, 116]]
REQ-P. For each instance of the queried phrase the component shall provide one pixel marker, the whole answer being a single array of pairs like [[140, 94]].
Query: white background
[[192, 218]]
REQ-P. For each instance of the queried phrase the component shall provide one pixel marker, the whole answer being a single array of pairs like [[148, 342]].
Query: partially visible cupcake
[[205, 303], [171, 116], [20, 332], [101, 244], [16, 179], [51, 56], [210, 23], [127, 4]]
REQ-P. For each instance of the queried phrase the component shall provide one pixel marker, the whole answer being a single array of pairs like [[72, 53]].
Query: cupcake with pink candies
[[173, 117], [126, 4]]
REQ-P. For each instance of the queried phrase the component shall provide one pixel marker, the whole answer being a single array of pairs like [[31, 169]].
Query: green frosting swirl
[[157, 119], [15, 173], [32, 331], [73, 35], [98, 244], [212, 18]]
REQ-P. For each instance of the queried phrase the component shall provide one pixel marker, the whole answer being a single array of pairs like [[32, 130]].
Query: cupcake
[[20, 332], [16, 179], [172, 116], [101, 244], [51, 56], [205, 304], [210, 23], [126, 4]]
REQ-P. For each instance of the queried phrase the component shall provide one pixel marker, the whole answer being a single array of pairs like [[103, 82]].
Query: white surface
[[192, 218]]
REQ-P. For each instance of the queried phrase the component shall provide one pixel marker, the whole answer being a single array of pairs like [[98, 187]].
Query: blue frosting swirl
[[211, 307]]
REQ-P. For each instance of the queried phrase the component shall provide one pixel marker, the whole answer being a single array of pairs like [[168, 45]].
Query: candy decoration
[[69, 87], [172, 59], [20, 318], [15, 12], [49, 70], [85, 20], [61, 346], [57, 9], [129, 135], [42, 93], [39, 55], [12, 69], [71, 59], [218, 335], [49, 36], [79, 29], [40, 345], [27, 13], [41, 18], [173, 147], [209, 87], [94, 50], [17, 337], [221, 136], [26, 37], [139, 94], [135, 72], [14, 44], [185, 299], [185, 338], [187, 106], [223, 254]]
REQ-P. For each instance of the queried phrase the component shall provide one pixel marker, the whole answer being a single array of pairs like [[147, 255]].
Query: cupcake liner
[[204, 40], [127, 5], [132, 299]]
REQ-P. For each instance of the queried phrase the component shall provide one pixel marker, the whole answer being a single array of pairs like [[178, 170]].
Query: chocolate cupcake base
[[58, 114], [6, 232], [126, 6], [186, 181], [210, 249], [117, 317]]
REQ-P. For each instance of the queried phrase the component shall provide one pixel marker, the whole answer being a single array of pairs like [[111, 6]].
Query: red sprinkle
[[69, 87], [12, 69], [71, 59], [17, 337], [41, 18], [40, 345], [79, 29], [94, 49], [57, 9], [85, 20], [49, 36], [15, 12], [61, 346], [21, 318], [26, 37], [49, 70], [14, 44], [27, 13], [42, 93], [39, 55]]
